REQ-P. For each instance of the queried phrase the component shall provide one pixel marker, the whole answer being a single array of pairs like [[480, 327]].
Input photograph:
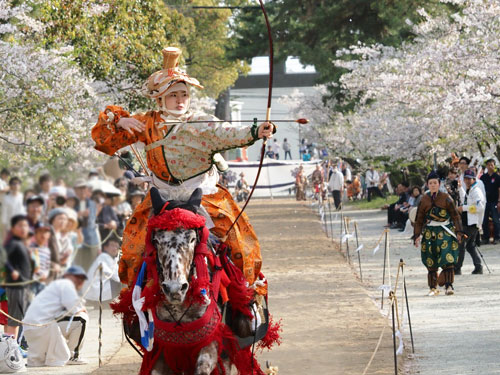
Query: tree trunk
[[223, 109]]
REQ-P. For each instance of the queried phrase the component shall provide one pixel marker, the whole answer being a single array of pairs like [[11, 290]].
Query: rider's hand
[[130, 124], [265, 130]]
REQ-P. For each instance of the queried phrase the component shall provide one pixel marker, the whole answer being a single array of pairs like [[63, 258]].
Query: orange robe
[[184, 154]]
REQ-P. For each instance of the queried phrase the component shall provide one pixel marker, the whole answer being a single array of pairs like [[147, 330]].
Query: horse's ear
[[157, 201], [195, 199]]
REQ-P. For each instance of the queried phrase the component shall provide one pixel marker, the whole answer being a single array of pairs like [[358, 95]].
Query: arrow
[[301, 121]]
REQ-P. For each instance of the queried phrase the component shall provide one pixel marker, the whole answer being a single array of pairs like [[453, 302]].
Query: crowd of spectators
[[336, 177], [48, 231]]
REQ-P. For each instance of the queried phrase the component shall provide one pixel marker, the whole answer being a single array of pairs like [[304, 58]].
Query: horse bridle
[[190, 275]]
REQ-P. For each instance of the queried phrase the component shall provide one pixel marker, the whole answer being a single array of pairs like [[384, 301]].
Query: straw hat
[[159, 82]]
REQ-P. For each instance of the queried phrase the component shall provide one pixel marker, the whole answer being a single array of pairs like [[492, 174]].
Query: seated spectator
[[306, 156], [415, 197], [354, 188], [57, 343], [396, 218], [241, 189], [109, 261], [270, 153], [404, 212], [18, 271]]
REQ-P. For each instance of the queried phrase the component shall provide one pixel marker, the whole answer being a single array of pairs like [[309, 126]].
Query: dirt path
[[330, 324]]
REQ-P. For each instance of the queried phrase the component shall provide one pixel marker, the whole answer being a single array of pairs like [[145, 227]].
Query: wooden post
[[357, 246], [383, 274]]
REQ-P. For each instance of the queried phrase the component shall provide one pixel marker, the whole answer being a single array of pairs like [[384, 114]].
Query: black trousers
[[468, 244], [391, 214], [289, 155], [374, 190], [336, 198], [76, 349]]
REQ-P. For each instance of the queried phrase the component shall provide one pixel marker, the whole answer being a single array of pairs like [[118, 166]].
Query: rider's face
[[176, 100]]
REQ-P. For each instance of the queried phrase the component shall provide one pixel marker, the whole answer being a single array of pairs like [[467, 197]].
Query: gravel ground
[[453, 335]]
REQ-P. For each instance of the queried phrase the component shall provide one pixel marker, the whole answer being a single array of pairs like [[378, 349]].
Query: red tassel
[[272, 336], [239, 294], [123, 303]]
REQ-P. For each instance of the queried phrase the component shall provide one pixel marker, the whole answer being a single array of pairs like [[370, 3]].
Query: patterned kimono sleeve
[[455, 215], [224, 136], [108, 137], [422, 209]]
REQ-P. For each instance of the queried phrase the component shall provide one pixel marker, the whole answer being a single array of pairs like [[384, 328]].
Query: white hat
[[59, 191]]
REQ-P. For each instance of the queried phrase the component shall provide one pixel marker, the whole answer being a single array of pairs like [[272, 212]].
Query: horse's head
[[175, 236]]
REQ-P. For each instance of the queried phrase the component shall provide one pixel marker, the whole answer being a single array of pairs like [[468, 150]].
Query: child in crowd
[[111, 282], [40, 254]]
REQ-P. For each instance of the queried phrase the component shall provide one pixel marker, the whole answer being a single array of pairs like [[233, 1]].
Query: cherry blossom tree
[[47, 105], [438, 94]]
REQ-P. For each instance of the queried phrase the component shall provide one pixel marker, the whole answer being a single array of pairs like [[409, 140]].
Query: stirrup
[[433, 292]]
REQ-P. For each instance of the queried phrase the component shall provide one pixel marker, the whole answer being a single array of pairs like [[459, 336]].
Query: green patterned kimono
[[439, 247]]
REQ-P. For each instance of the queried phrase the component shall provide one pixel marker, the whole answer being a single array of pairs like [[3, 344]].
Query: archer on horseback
[[182, 156]]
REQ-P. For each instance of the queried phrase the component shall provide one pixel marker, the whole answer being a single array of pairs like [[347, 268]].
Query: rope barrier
[[113, 231], [397, 313], [100, 316], [393, 302]]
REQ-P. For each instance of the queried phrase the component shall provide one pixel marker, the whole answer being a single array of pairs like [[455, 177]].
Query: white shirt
[[12, 205], [336, 180], [276, 147], [480, 184], [476, 198], [372, 178], [4, 186], [55, 300], [109, 272]]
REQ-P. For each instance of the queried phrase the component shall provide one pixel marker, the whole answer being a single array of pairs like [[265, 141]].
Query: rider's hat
[[159, 82]]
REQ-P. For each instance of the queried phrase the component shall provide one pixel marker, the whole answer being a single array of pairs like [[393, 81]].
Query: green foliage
[[374, 204], [314, 30], [121, 46]]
